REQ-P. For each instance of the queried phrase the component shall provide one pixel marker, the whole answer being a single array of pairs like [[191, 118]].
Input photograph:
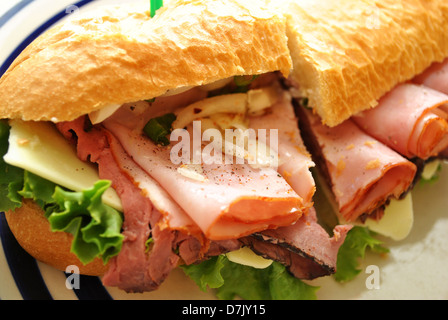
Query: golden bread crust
[[32, 230], [347, 54], [117, 55]]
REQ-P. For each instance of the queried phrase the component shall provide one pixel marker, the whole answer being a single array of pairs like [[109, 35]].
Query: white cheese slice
[[247, 257], [430, 169], [397, 221], [40, 149]]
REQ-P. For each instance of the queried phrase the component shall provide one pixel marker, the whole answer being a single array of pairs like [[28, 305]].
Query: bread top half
[[344, 55], [117, 55], [348, 53]]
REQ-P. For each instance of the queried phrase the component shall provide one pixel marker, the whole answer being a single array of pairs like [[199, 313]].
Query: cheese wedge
[[247, 257], [40, 149]]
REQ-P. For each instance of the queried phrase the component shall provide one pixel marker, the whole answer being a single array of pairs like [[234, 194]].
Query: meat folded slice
[[362, 172], [305, 247], [187, 238], [231, 201], [435, 77], [172, 216], [411, 119], [294, 160]]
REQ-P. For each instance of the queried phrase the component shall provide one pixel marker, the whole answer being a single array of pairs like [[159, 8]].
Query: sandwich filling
[[219, 208]]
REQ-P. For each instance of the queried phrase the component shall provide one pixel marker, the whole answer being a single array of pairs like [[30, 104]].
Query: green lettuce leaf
[[95, 226], [11, 178], [357, 242], [286, 287], [37, 188], [233, 279], [207, 273]]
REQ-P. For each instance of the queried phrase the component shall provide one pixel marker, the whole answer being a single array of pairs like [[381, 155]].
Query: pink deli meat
[[435, 77], [411, 119], [235, 200], [363, 173], [294, 160], [174, 217]]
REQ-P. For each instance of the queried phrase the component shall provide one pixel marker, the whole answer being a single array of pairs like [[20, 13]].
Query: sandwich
[[116, 157]]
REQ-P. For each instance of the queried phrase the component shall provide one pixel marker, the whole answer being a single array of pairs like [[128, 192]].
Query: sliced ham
[[305, 247], [411, 119], [174, 217], [435, 77], [234, 200], [294, 160], [362, 172]]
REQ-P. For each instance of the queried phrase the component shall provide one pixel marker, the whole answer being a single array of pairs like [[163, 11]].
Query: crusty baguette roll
[[348, 53], [118, 55], [32, 231]]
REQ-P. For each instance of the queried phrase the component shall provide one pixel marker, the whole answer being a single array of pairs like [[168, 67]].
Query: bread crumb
[[350, 147], [23, 142], [340, 167], [373, 164], [370, 143]]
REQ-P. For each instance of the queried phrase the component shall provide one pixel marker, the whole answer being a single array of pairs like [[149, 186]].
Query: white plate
[[414, 269]]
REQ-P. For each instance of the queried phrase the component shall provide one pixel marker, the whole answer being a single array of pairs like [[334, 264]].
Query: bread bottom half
[[32, 230]]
